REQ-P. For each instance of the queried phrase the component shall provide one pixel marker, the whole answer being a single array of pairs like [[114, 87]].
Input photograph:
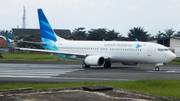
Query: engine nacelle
[[127, 63], [94, 60]]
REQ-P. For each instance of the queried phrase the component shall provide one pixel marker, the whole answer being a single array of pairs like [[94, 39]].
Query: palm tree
[[139, 33]]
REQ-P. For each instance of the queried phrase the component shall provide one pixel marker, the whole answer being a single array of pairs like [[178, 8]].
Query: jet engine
[[128, 63], [94, 60]]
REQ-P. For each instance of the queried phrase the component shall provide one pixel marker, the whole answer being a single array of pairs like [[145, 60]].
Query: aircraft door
[[165, 55], [149, 51]]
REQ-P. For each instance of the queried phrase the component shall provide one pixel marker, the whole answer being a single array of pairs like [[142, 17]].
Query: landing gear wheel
[[107, 64], [85, 66], [157, 68]]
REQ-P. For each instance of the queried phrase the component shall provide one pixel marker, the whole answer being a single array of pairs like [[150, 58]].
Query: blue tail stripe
[[48, 35], [45, 28]]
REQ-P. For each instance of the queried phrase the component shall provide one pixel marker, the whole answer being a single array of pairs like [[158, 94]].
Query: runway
[[35, 70], [73, 72]]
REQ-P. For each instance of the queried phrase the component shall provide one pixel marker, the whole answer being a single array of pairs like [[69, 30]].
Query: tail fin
[[47, 32]]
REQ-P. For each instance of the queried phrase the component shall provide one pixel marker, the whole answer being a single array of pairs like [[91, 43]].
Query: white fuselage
[[121, 51]]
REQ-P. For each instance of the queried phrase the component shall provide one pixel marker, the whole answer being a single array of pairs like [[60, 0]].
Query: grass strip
[[175, 61], [162, 87], [47, 57], [32, 57]]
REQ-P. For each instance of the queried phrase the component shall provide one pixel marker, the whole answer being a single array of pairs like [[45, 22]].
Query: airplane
[[100, 53], [5, 38]]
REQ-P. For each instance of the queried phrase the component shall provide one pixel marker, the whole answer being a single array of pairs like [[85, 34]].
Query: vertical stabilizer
[[47, 32]]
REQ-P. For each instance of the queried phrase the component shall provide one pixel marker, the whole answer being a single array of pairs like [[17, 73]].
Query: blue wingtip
[[9, 43], [136, 39]]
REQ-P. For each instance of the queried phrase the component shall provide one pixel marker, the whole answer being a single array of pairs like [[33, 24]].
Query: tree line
[[96, 34], [106, 34], [136, 32]]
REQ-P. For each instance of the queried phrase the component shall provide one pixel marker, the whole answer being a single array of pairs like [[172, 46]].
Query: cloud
[[173, 7], [120, 15], [134, 7]]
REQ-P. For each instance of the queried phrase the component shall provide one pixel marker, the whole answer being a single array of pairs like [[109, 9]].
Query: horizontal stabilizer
[[38, 43]]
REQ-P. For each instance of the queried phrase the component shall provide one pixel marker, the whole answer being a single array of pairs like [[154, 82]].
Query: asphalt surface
[[54, 72], [44, 72]]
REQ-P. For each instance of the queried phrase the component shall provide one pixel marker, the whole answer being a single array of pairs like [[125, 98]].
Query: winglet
[[9, 43], [136, 39]]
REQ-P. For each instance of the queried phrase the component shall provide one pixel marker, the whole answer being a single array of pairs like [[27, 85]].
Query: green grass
[[175, 61], [168, 88], [32, 57], [162, 87], [47, 57]]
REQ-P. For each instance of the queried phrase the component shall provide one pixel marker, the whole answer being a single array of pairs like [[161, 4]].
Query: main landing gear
[[85, 66], [107, 64]]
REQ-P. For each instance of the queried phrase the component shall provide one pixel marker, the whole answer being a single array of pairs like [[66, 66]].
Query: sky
[[118, 15]]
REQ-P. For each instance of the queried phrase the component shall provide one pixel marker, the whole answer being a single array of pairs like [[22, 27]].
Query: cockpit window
[[160, 49]]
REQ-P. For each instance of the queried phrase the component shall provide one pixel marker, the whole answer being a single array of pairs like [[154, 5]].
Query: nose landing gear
[[158, 65], [157, 68]]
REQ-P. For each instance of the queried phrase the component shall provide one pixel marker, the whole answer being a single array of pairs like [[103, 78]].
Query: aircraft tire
[[107, 64], [157, 68], [85, 66]]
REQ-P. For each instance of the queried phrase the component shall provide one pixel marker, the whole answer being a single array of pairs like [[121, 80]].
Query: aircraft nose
[[171, 56]]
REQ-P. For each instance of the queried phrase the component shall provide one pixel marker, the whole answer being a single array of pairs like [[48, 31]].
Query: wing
[[53, 52], [67, 54], [46, 51]]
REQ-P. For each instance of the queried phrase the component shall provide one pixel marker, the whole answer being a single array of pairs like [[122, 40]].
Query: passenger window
[[159, 49], [166, 49]]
